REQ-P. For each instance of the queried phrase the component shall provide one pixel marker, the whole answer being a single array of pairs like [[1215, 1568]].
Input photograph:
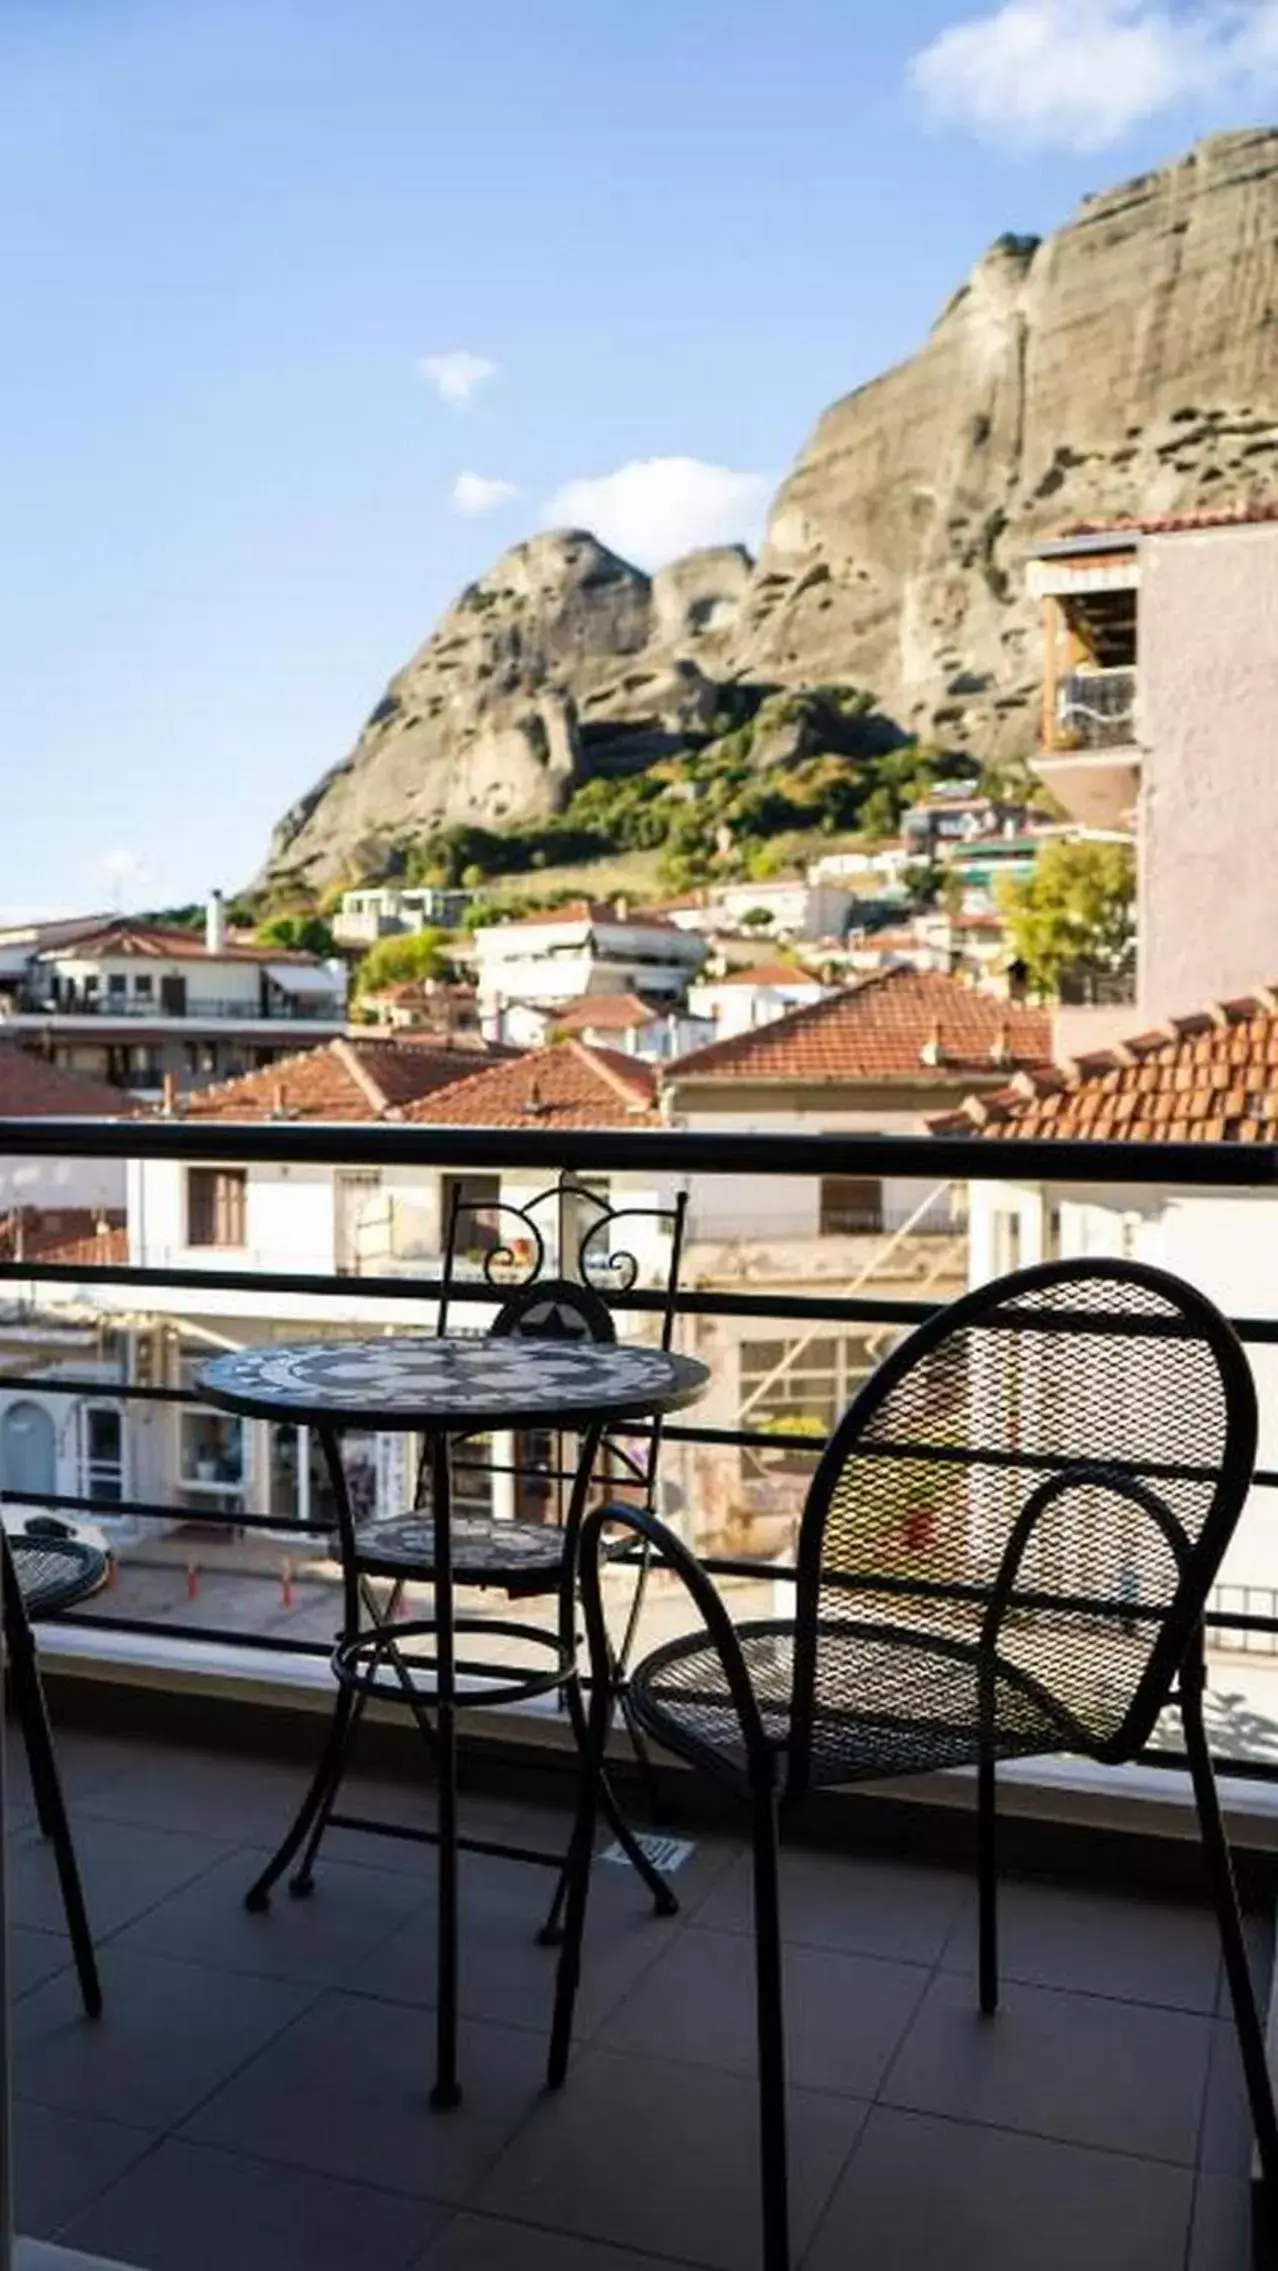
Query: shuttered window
[[215, 1206]]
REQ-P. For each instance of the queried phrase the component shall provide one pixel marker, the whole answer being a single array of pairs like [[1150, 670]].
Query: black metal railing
[[1245, 1618]]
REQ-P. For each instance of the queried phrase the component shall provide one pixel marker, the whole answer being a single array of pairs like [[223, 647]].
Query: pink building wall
[[1207, 721]]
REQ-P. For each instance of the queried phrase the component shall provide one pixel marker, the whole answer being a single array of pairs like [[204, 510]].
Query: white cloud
[[456, 376], [1077, 74], [474, 493], [654, 508]]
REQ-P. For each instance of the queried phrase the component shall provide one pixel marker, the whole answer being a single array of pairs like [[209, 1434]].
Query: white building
[[544, 962], [389, 910], [740, 1000], [145, 1006]]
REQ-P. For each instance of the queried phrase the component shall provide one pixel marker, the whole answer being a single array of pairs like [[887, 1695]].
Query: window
[[144, 985], [103, 1454], [851, 1203], [117, 985], [215, 1206]]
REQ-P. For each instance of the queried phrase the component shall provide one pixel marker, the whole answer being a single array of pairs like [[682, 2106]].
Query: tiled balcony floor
[[255, 2094]]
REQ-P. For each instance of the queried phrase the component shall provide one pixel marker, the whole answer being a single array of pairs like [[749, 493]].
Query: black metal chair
[[43, 1573], [1006, 1550], [523, 1559]]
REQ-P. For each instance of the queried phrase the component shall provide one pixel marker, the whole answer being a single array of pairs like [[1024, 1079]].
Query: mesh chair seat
[[513, 1557], [54, 1573], [892, 1700]]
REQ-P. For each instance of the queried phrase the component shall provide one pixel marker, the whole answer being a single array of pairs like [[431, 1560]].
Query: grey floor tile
[[487, 2243], [506, 1974], [1226, 2140], [86, 1762], [189, 2208], [64, 2160], [169, 2033], [325, 1938], [1223, 2236], [219, 1794], [663, 2159], [35, 1957], [346, 2091], [845, 2014], [124, 1869], [919, 2193], [1080, 2068], [1145, 1951], [836, 1900]]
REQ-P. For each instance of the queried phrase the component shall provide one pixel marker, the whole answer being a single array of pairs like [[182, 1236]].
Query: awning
[[302, 978]]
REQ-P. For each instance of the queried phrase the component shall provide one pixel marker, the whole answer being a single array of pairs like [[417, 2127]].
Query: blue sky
[[245, 242]]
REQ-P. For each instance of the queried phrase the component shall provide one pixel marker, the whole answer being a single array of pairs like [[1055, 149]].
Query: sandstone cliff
[[1128, 363]]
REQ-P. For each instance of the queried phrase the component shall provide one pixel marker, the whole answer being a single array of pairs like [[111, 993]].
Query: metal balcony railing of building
[[1244, 1618], [1095, 708]]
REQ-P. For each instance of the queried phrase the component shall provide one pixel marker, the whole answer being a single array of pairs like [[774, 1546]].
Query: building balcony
[[1090, 759], [256, 2091]]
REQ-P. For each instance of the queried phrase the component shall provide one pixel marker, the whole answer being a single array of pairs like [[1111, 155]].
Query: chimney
[[279, 1110], [215, 924], [621, 908], [1000, 1047], [169, 1106], [931, 1052]]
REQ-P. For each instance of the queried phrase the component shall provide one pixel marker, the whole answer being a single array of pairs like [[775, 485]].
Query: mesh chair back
[[1029, 1500]]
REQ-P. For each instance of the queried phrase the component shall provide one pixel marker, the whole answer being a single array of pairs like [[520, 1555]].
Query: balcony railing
[[1095, 709], [324, 1009], [789, 1334]]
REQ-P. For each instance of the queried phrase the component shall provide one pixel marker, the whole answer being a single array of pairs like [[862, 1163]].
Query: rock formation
[[1127, 364]]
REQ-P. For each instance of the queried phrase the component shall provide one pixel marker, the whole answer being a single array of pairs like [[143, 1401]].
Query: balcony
[[30, 1008], [1090, 759], [257, 2089], [1095, 709]]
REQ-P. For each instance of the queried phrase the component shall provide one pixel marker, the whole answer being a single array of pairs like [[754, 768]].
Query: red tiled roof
[[351, 1079], [1211, 1078], [603, 1013], [765, 974], [894, 1025], [586, 911], [1169, 524], [32, 1089], [567, 1085], [157, 941], [64, 1233]]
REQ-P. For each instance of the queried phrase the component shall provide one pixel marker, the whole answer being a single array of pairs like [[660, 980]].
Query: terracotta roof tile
[[568, 1085], [603, 1013], [1206, 1078], [351, 1079], [765, 974], [1168, 524], [30, 1088], [884, 1028], [158, 941]]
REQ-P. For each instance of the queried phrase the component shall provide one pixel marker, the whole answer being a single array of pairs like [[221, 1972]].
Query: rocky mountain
[[1129, 363]]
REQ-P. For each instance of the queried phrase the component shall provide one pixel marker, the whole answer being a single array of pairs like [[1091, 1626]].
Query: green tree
[[1077, 909], [400, 961], [307, 934]]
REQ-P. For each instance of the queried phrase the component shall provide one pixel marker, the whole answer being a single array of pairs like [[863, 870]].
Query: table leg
[[447, 2090]]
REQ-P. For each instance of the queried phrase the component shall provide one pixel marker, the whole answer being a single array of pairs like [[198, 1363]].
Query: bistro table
[[442, 1388]]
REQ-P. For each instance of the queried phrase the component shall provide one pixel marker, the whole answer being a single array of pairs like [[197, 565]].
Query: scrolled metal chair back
[[592, 1242], [1041, 1481]]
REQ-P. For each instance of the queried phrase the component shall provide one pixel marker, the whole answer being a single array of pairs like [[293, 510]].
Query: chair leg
[[987, 1885], [52, 1813], [575, 1883], [319, 1796], [302, 1880], [28, 1703], [1251, 2040], [773, 2157]]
